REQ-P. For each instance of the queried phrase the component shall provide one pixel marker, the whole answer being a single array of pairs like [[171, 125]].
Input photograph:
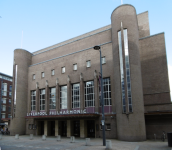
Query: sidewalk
[[24, 143]]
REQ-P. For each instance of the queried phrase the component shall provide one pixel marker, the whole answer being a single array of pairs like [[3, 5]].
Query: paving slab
[[24, 143]]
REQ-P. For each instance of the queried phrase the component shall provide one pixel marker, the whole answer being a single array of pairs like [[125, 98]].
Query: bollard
[[155, 136], [43, 137], [72, 139], [17, 136], [58, 138], [31, 136], [87, 142], [0, 136], [108, 145]]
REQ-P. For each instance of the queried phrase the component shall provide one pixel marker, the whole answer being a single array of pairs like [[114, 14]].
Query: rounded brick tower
[[127, 71], [22, 59]]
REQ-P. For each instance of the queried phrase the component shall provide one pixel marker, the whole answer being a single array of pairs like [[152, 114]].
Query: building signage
[[65, 112]]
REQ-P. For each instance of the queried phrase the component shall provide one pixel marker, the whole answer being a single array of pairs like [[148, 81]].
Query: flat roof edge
[[151, 36]]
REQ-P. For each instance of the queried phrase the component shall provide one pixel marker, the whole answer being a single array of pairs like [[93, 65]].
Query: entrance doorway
[[40, 128], [64, 128], [90, 128], [51, 128], [76, 125]]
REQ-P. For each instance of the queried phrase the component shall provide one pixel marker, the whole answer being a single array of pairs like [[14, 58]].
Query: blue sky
[[47, 22]]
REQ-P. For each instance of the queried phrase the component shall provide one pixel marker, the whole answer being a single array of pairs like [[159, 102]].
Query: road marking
[[137, 148]]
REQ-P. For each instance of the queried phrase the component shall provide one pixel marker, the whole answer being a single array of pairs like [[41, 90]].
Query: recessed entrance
[[40, 128], [76, 127], [51, 128], [64, 128], [90, 128]]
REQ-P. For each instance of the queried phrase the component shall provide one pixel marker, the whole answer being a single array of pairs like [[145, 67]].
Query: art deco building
[[57, 88]]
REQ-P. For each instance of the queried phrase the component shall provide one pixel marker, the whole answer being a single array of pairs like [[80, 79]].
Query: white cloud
[[170, 78]]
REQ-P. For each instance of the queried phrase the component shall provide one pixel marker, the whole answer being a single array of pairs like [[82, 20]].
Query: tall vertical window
[[52, 98], [4, 89], [121, 71], [89, 94], [107, 91], [63, 69], [63, 97], [15, 85], [88, 63], [9, 101], [76, 95], [52, 72], [75, 67], [42, 99], [103, 60], [127, 67], [33, 100]]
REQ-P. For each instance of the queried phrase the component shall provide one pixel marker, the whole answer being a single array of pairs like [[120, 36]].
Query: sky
[[48, 22]]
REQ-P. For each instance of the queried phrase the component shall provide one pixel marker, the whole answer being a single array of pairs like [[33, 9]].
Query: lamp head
[[96, 47]]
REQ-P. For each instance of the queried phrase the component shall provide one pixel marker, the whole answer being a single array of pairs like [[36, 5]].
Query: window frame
[[33, 94], [75, 67], [52, 98], [75, 98], [63, 69], [88, 94], [33, 77], [42, 74], [52, 72], [63, 99], [88, 65], [41, 100]]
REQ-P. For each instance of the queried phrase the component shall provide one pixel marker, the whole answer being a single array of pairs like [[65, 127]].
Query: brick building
[[56, 89], [6, 96]]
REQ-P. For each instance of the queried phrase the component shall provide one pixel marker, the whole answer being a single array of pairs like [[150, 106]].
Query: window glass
[[106, 91], [9, 109], [76, 95], [89, 94], [42, 74], [9, 115], [63, 69], [10, 88], [3, 108], [33, 76], [52, 72], [33, 100], [88, 63], [2, 115], [9, 101], [3, 100], [127, 67], [121, 71], [15, 86], [63, 97], [52, 98], [42, 99], [75, 67]]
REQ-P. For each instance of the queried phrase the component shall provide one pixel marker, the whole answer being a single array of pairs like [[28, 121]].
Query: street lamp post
[[102, 96]]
